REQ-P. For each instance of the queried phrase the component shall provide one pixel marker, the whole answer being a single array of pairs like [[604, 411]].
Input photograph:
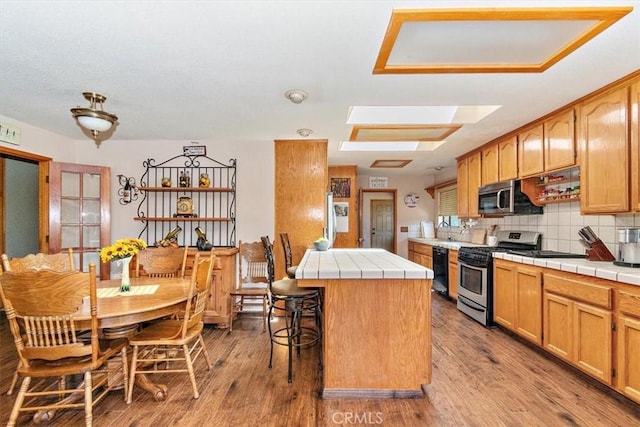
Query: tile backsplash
[[559, 225]]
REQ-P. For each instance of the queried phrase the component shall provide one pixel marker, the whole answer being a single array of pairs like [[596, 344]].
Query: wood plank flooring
[[481, 377]]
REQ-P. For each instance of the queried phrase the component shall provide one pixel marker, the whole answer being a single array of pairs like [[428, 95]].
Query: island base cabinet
[[378, 345]]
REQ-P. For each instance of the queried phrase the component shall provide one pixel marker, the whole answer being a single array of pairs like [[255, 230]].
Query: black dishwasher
[[441, 271]]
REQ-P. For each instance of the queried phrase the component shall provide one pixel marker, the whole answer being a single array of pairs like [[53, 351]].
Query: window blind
[[448, 202]]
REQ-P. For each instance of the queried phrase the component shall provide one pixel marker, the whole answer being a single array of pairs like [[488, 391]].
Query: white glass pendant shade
[[94, 119], [94, 123]]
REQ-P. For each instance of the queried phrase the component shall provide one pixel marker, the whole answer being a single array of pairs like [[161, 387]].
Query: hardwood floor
[[481, 377]]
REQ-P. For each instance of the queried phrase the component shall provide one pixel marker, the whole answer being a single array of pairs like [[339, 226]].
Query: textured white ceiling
[[217, 70]]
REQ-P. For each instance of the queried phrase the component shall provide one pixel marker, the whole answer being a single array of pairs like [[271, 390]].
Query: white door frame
[[364, 228]]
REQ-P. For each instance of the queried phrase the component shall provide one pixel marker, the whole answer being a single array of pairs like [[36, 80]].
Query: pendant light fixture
[[94, 119]]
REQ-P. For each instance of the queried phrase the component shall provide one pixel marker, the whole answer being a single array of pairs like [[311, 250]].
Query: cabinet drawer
[[423, 249], [594, 292], [629, 303]]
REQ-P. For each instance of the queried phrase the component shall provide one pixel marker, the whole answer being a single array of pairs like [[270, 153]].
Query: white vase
[[125, 283]]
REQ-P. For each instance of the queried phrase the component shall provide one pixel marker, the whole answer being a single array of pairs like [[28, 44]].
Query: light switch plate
[[10, 133]]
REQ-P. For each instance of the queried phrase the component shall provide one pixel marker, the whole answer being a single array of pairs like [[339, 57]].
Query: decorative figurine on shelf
[[185, 179], [166, 182], [204, 180]]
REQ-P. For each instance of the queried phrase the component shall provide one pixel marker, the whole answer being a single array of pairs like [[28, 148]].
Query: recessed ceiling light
[[417, 115], [296, 95], [304, 132]]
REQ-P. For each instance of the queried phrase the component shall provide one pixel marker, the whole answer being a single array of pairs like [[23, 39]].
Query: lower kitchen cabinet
[[578, 321], [518, 298], [421, 254], [453, 273], [628, 345]]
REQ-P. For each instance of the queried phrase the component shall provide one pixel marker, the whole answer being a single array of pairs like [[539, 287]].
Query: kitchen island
[[377, 322]]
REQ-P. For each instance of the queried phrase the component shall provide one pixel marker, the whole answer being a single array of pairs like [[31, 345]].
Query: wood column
[[301, 184]]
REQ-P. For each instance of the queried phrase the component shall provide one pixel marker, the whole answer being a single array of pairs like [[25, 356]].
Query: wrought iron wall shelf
[[209, 187]]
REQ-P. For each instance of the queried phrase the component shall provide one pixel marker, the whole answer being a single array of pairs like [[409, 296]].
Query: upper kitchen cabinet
[[490, 172], [548, 146], [469, 177], [560, 141], [635, 146], [500, 161], [508, 158], [604, 146], [531, 147]]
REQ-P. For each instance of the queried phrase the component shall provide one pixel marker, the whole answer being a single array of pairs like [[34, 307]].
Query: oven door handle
[[472, 267]]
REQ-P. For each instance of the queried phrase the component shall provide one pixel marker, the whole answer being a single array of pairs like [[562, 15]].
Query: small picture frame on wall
[[341, 188]]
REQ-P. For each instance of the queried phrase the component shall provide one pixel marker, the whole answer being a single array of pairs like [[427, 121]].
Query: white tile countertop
[[358, 264], [601, 269], [449, 244]]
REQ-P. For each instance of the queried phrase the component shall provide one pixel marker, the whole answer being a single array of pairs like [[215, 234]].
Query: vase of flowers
[[122, 251]]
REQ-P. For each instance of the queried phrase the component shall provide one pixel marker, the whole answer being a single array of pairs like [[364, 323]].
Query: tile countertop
[[449, 244], [358, 264], [601, 269]]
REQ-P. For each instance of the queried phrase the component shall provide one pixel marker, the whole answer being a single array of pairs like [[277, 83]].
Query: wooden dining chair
[[162, 262], [252, 289], [176, 340], [41, 307], [62, 261]]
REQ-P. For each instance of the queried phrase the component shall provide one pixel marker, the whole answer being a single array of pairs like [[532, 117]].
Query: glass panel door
[[79, 196]]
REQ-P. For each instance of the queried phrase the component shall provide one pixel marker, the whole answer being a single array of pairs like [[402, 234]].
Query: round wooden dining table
[[120, 314], [130, 308]]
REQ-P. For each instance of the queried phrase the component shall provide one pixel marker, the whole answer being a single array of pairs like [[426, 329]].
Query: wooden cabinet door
[[629, 357], [504, 293], [453, 274], [508, 159], [474, 170], [592, 340], [529, 303], [463, 188], [556, 319], [635, 146], [604, 145], [490, 172], [560, 141], [531, 148]]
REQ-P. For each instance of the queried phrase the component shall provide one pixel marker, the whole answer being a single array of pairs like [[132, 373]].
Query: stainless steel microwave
[[505, 198]]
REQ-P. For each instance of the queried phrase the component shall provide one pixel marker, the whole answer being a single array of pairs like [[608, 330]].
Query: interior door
[[382, 224], [80, 212]]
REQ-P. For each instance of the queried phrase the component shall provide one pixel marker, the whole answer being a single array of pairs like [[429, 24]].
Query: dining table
[[120, 314]]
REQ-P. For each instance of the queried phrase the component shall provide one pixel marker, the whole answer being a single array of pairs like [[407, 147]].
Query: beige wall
[[254, 181]]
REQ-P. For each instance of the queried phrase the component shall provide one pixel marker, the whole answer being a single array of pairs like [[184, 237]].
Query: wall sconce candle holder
[[128, 190]]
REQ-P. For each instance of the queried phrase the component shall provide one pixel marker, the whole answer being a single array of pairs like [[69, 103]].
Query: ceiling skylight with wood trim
[[513, 40], [389, 133], [390, 163]]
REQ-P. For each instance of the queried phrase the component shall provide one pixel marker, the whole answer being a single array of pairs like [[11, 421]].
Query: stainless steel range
[[475, 272]]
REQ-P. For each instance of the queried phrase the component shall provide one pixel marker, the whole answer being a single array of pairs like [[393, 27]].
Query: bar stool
[[288, 256], [295, 303]]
